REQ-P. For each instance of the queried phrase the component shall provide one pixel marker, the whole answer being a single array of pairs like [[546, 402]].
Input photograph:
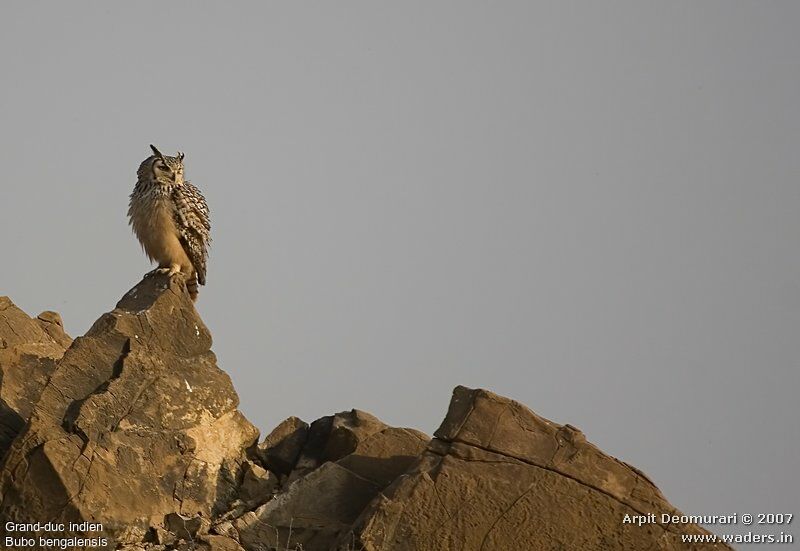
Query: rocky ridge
[[135, 427]]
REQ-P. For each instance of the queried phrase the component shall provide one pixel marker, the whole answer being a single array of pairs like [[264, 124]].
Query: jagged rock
[[226, 528], [219, 543], [258, 484], [186, 527], [135, 426], [201, 543], [135, 422], [333, 437], [313, 449], [349, 430], [53, 325], [257, 487], [281, 448], [29, 349], [498, 476], [162, 536], [354, 456]]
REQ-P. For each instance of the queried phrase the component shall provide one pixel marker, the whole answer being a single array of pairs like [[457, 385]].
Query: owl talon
[[157, 271], [169, 271]]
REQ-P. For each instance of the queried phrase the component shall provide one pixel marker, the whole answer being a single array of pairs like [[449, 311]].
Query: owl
[[171, 220]]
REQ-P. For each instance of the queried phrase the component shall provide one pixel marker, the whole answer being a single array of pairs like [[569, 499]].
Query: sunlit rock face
[[135, 422], [132, 433]]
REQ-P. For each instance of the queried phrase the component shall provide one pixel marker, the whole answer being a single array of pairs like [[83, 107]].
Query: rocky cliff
[[130, 438]]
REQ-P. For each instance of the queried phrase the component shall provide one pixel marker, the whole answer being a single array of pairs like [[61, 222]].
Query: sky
[[592, 208]]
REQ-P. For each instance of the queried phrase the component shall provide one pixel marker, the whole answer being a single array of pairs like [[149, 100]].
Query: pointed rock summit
[[132, 434], [135, 422]]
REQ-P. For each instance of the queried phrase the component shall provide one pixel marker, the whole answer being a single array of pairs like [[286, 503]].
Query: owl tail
[[191, 286]]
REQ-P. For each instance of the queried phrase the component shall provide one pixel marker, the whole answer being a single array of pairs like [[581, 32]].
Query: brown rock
[[29, 349], [135, 422], [317, 508], [225, 528], [313, 451], [202, 543], [186, 527], [163, 537], [386, 455], [258, 484], [53, 325], [498, 476], [349, 429], [219, 543], [281, 448], [333, 437], [136, 427]]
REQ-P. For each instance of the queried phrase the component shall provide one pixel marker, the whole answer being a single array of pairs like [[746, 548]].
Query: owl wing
[[193, 220]]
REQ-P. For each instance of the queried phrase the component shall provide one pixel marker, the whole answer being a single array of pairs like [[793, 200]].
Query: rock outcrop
[[346, 461], [135, 427], [29, 349], [498, 476], [136, 421]]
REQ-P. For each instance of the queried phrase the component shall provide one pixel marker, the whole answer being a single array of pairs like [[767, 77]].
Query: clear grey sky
[[589, 207]]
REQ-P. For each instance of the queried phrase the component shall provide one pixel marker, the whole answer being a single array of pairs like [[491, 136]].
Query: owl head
[[165, 170]]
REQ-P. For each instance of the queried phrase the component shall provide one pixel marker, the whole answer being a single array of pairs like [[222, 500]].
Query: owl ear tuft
[[180, 156], [157, 153]]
